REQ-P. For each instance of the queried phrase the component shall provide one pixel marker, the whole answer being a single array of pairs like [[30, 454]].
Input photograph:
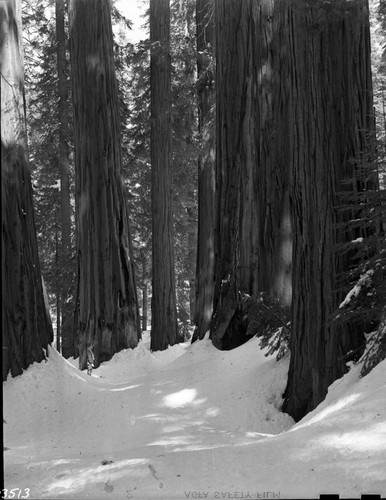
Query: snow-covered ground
[[189, 422]]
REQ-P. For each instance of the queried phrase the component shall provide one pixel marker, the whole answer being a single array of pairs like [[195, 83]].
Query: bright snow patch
[[188, 421], [354, 292]]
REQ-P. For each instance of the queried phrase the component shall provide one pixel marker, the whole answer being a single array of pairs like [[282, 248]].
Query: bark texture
[[144, 291], [294, 108], [107, 315], [26, 324], [206, 94], [332, 117], [65, 334], [163, 303], [253, 230]]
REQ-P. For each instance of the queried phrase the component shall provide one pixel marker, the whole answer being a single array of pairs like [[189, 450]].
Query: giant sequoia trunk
[[253, 231], [332, 115], [163, 302], [107, 315], [204, 285], [26, 325], [65, 333]]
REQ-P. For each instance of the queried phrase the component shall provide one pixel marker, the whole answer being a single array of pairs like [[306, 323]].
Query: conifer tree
[[107, 316], [136, 146], [26, 324], [252, 227], [67, 314], [163, 306], [206, 167], [332, 106], [279, 185], [51, 149]]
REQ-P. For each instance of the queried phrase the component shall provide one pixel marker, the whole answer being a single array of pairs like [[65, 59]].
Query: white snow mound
[[189, 421]]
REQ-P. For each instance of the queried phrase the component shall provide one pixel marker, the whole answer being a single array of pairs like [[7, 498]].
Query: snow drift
[[186, 422]]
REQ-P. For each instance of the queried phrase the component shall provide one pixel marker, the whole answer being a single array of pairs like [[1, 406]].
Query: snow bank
[[189, 421]]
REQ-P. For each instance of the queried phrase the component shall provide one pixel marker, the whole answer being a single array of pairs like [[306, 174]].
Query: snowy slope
[[189, 422]]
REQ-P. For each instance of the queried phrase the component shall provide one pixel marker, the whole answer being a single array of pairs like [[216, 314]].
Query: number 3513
[[15, 493]]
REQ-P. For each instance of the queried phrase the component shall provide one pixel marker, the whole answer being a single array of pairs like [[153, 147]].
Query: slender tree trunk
[[58, 322], [144, 307], [191, 254], [66, 271], [163, 304], [253, 229], [107, 307], [332, 110], [144, 293], [58, 291], [204, 282], [26, 325]]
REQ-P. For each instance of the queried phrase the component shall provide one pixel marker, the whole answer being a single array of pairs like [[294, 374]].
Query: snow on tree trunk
[[163, 303], [26, 324], [107, 314]]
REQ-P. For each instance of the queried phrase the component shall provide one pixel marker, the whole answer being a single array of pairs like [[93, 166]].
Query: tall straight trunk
[[191, 253], [58, 291], [26, 325], [107, 308], [332, 110], [144, 307], [144, 292], [163, 303], [58, 321], [253, 230], [66, 271], [206, 94]]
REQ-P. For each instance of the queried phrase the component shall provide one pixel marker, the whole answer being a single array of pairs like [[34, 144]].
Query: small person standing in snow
[[90, 359]]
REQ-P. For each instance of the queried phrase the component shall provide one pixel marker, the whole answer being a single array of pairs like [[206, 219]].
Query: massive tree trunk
[[294, 108], [204, 283], [65, 334], [163, 303], [332, 116], [26, 325], [107, 308], [253, 230]]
